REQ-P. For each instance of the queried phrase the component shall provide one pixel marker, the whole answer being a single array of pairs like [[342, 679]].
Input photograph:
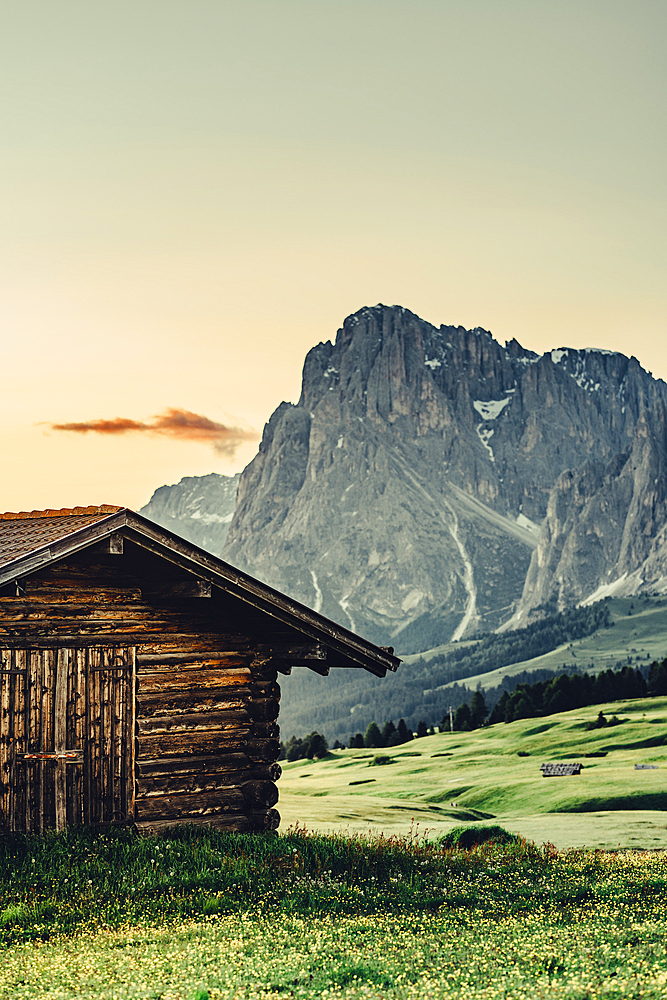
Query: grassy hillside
[[443, 780], [639, 631]]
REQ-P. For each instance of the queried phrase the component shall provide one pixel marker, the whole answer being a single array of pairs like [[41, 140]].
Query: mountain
[[199, 508], [402, 496], [605, 531]]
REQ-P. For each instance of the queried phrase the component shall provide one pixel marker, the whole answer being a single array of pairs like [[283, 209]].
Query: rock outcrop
[[199, 508], [605, 532]]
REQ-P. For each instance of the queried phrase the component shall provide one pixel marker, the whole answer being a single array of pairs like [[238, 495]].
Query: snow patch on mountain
[[490, 409]]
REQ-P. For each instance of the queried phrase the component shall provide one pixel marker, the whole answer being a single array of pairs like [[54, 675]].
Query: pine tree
[[463, 719], [657, 678], [316, 746], [373, 737], [404, 733], [478, 709], [388, 733]]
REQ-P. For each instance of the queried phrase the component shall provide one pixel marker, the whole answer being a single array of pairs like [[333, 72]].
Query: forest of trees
[[416, 691], [390, 735]]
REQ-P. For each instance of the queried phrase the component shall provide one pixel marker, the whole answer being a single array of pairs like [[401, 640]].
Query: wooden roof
[[32, 540]]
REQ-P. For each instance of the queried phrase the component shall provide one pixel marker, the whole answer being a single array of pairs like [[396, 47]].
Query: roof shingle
[[23, 532]]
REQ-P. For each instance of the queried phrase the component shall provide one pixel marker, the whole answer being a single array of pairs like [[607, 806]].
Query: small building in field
[[138, 676]]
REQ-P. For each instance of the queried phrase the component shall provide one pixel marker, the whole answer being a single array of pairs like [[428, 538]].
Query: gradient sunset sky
[[195, 192]]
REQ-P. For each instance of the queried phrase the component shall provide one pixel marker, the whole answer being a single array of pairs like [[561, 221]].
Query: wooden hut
[[138, 676]]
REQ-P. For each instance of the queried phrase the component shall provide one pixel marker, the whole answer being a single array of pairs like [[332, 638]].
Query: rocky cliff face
[[199, 508], [605, 532], [403, 494]]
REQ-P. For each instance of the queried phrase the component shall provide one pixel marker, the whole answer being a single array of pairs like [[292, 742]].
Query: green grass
[[508, 921], [201, 915], [61, 883], [641, 632], [480, 775]]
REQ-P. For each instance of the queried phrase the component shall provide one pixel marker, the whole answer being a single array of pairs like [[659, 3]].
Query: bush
[[465, 837]]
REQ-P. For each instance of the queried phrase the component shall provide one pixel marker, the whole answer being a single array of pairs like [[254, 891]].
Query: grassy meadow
[[453, 778], [199, 915], [342, 910]]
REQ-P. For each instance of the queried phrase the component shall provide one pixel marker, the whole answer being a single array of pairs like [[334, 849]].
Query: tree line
[[562, 694], [316, 746]]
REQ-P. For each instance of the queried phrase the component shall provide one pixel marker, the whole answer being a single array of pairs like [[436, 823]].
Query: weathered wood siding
[[66, 737], [195, 729], [206, 737]]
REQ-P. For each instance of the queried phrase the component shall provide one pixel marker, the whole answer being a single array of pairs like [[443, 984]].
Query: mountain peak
[[403, 492]]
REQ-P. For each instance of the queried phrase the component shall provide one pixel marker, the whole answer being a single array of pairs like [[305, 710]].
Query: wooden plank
[[71, 740], [61, 597], [320, 668], [193, 781], [94, 736], [194, 723], [264, 709], [262, 750], [21, 805], [199, 700], [180, 680], [163, 765], [169, 659], [106, 749], [41, 739], [190, 776], [115, 668], [193, 744], [294, 653], [259, 794], [6, 727], [51, 657], [172, 590], [185, 806], [264, 819], [87, 745], [129, 739], [233, 822], [60, 737], [158, 638], [17, 773], [265, 730], [115, 544]]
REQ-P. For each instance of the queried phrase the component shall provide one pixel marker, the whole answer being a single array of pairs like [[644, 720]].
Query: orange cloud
[[174, 423]]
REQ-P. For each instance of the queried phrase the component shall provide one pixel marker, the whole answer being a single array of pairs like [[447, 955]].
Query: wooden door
[[66, 737]]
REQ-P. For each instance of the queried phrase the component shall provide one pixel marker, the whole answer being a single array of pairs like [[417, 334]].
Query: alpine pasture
[[343, 910]]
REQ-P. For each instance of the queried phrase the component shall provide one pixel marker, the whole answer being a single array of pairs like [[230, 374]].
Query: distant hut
[[138, 676]]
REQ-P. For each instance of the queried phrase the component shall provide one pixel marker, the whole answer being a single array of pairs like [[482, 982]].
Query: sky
[[193, 193]]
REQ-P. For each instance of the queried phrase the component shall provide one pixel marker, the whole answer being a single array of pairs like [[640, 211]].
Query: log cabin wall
[[204, 698]]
